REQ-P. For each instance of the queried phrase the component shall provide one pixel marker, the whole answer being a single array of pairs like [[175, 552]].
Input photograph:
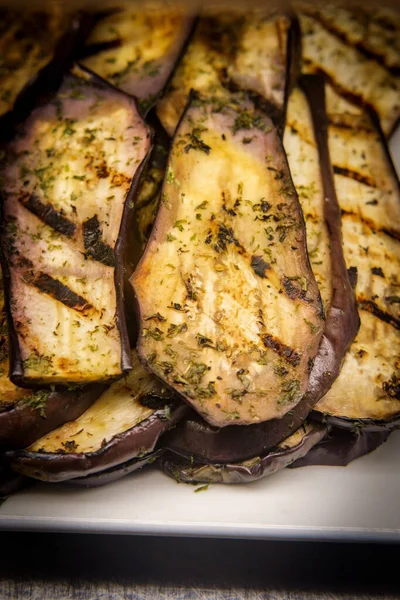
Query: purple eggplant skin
[[10, 481], [258, 468], [120, 249], [193, 436], [340, 447], [21, 424], [137, 441], [357, 425], [118, 472]]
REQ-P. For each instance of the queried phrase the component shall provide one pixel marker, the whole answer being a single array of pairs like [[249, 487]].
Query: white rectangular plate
[[357, 502]]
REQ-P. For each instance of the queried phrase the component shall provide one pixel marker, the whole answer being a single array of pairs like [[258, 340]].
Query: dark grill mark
[[360, 46], [94, 246], [259, 266], [93, 49], [50, 216], [354, 175], [295, 287], [285, 352], [57, 290], [353, 276], [377, 271], [371, 224], [225, 236], [371, 307]]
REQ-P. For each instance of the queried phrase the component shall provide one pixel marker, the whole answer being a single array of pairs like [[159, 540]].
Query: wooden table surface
[[47, 566]]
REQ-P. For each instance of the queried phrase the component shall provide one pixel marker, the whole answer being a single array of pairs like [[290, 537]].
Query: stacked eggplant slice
[[200, 245]]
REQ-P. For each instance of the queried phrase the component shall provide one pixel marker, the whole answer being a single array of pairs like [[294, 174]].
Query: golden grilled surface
[[374, 31], [27, 44], [368, 193], [230, 310], [65, 183], [303, 159], [138, 47], [350, 71], [244, 49], [116, 411]]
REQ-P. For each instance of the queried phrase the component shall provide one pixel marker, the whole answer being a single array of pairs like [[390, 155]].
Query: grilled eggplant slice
[[254, 51], [339, 448], [367, 391], [239, 318], [359, 78], [136, 50], [24, 415], [124, 423], [291, 449], [373, 31], [306, 142], [28, 42], [68, 187], [117, 472]]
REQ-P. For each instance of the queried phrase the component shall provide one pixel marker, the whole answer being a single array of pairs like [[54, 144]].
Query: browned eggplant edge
[[136, 442], [292, 74], [21, 424], [356, 425], [146, 107], [118, 472], [343, 322], [193, 436], [274, 460], [16, 368], [42, 85], [340, 447]]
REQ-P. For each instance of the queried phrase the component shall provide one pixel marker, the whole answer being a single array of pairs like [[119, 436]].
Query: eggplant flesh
[[306, 143], [288, 451], [360, 78], [118, 472], [69, 179], [368, 388], [28, 42], [254, 50], [339, 448], [240, 315], [124, 423], [136, 50], [375, 32]]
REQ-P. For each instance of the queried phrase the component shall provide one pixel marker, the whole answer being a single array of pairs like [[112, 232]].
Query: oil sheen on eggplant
[[124, 423], [68, 185], [289, 450], [254, 50], [358, 77], [368, 389], [136, 49], [306, 143], [28, 41], [230, 312], [339, 448]]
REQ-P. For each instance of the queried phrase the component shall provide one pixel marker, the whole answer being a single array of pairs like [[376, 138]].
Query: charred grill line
[[100, 47], [94, 245], [285, 352], [48, 215], [59, 291], [360, 46], [370, 223], [370, 306], [364, 179]]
